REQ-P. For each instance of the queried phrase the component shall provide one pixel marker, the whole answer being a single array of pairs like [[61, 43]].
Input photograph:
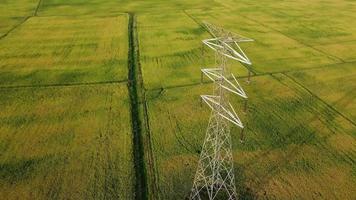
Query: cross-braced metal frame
[[214, 178]]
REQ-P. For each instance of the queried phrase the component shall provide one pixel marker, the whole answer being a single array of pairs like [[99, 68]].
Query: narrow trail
[[136, 123]]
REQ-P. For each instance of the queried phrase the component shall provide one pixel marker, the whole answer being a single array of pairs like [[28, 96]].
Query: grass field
[[66, 143], [285, 132], [14, 13], [62, 50], [100, 98], [334, 85]]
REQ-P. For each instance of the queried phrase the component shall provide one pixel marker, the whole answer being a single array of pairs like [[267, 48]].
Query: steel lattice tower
[[214, 178]]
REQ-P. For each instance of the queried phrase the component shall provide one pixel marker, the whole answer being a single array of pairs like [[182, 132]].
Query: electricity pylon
[[214, 178]]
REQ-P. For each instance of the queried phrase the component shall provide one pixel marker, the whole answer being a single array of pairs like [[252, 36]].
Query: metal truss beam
[[231, 50], [214, 102], [215, 75], [217, 31]]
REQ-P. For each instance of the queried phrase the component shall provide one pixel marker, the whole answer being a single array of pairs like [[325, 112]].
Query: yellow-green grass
[[66, 143], [311, 22], [343, 50], [75, 142], [336, 85], [272, 50], [171, 50], [294, 143], [113, 7], [14, 12], [62, 50], [325, 26], [79, 7]]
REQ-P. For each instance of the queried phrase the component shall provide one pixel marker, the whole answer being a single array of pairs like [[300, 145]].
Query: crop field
[[333, 86], [62, 50], [14, 13], [279, 156], [72, 142], [100, 99]]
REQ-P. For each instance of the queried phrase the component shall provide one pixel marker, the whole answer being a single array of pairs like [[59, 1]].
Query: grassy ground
[[301, 124], [62, 50], [295, 143], [272, 50], [170, 50], [13, 13], [66, 143], [65, 119], [110, 7], [334, 85]]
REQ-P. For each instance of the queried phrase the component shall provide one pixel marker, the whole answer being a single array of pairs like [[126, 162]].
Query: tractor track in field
[[321, 100], [146, 180], [152, 171]]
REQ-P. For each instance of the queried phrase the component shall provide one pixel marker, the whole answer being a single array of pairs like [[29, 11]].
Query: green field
[[14, 13], [100, 98], [72, 142], [61, 50], [285, 132]]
